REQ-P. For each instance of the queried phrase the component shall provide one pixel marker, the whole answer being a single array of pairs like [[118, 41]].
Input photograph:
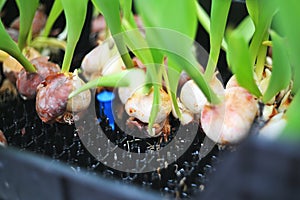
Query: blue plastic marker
[[105, 99]]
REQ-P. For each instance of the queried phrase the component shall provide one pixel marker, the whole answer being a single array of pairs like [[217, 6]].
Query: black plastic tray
[[259, 169], [27, 176]]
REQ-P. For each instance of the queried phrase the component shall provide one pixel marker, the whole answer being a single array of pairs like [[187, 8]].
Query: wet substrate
[[63, 143]]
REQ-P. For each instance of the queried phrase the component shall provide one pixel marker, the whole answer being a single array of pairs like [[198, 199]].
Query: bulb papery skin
[[139, 105], [125, 93], [27, 82], [81, 101], [11, 67], [192, 97], [229, 122], [52, 97], [102, 60], [52, 102], [232, 82]]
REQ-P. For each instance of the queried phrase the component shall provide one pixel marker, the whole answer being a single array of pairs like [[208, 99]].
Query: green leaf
[[205, 22], [281, 69], [139, 46], [27, 11], [162, 18], [174, 35], [155, 107], [10, 47], [252, 7], [246, 28], [122, 79], [179, 49], [219, 14], [171, 77], [292, 128], [176, 15], [135, 42], [238, 54], [288, 24], [56, 10], [111, 12], [202, 17], [2, 2], [190, 66], [126, 8], [170, 33], [75, 12], [261, 12]]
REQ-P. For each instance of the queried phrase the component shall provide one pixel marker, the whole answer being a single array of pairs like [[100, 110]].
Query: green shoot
[[261, 12], [219, 14], [244, 29], [75, 12], [238, 54], [27, 12], [281, 69], [126, 8], [172, 79], [169, 77], [56, 10], [204, 20], [261, 58]]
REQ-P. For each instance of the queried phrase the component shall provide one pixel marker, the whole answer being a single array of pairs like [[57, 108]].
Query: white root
[[139, 105], [102, 60], [230, 121]]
